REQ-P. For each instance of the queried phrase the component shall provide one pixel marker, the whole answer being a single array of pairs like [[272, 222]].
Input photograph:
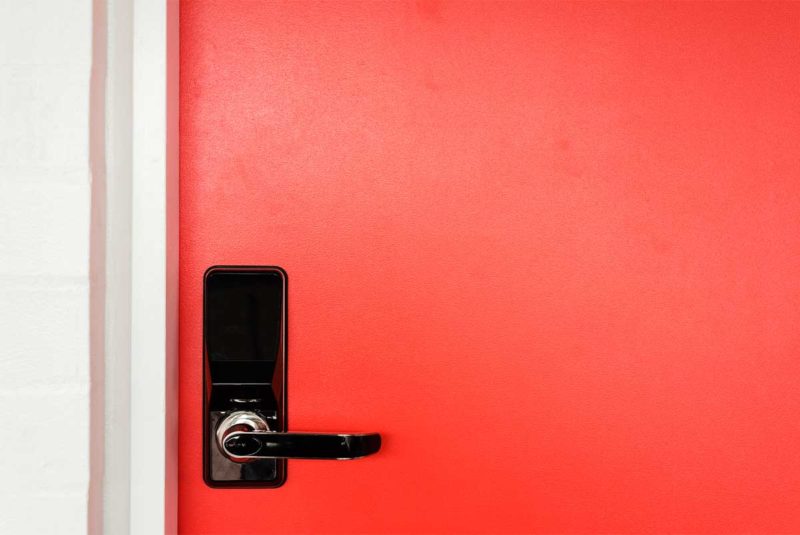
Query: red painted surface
[[550, 251]]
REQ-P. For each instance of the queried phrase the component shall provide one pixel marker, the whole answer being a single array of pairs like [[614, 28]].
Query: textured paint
[[550, 251], [48, 112]]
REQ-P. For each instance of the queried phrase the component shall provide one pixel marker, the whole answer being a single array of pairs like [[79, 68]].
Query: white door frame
[[141, 324], [154, 268]]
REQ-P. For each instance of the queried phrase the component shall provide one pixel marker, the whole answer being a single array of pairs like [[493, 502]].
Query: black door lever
[[244, 436]]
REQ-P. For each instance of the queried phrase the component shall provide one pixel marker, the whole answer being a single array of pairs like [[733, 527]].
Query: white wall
[[47, 295]]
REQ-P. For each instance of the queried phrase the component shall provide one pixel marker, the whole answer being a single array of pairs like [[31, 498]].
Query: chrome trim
[[239, 421]]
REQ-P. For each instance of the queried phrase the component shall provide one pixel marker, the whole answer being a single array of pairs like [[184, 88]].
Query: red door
[[550, 251]]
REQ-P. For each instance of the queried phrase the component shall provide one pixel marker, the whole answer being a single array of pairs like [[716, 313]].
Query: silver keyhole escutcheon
[[240, 448]]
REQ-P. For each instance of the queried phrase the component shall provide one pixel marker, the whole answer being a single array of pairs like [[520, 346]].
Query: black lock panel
[[244, 354]]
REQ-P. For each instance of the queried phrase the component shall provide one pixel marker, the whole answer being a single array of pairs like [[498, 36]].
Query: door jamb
[[142, 269]]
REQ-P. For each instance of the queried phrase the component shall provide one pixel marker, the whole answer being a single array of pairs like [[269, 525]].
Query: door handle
[[244, 436]]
